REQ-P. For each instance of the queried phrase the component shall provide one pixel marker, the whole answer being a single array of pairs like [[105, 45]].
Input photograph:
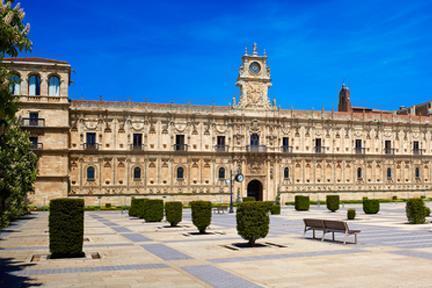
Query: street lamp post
[[231, 208]]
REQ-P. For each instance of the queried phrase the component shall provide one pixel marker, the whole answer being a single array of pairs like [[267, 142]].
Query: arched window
[[137, 173], [389, 173], [34, 85], [221, 174], [286, 173], [90, 173], [54, 86], [180, 173], [15, 84], [417, 173], [254, 139], [359, 173]]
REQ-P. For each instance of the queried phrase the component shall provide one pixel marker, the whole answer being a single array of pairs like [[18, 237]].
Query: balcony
[[320, 149], [359, 150], [32, 122], [287, 149], [36, 146], [221, 148], [256, 148], [91, 146], [180, 147], [389, 151], [137, 147], [418, 151]]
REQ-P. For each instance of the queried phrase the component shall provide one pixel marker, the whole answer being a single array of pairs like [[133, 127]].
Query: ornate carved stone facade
[[108, 152]]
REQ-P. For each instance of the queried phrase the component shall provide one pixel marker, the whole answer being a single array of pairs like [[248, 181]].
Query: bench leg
[[323, 236], [355, 238], [313, 233], [333, 236], [345, 237]]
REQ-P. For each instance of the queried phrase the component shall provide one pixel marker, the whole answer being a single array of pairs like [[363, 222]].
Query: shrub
[[332, 202], [137, 208], [107, 205], [302, 203], [394, 198], [252, 221], [66, 228], [415, 211], [173, 212], [248, 199], [153, 210], [351, 214], [427, 211], [268, 205], [275, 209], [371, 206], [201, 214]]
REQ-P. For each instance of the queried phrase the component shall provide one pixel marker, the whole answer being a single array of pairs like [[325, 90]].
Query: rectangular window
[[180, 143], [33, 118], [34, 142], [318, 147], [388, 147], [358, 146], [416, 147], [221, 140], [137, 140], [285, 142], [91, 140]]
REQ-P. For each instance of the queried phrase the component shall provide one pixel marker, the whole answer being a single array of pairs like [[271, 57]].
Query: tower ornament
[[254, 81]]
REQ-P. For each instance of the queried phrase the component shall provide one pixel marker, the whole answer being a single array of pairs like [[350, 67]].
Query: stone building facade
[[108, 152]]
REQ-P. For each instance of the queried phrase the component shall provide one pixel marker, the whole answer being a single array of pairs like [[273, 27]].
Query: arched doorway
[[255, 189]]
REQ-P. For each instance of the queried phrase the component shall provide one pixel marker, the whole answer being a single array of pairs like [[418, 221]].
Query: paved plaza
[[132, 253]]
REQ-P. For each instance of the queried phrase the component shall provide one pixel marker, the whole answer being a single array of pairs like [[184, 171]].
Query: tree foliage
[[17, 162]]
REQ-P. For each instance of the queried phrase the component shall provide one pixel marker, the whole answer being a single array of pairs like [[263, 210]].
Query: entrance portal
[[255, 189]]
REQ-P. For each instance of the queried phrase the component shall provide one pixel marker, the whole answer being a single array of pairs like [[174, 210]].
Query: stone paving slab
[[165, 252], [218, 278]]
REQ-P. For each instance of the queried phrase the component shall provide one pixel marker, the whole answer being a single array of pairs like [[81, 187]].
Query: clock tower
[[254, 81]]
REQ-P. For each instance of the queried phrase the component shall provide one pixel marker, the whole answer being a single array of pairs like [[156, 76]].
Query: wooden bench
[[220, 209], [329, 226]]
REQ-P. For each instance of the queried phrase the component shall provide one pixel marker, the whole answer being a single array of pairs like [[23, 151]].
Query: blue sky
[[189, 51]]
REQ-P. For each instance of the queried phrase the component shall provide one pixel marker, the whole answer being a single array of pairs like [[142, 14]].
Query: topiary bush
[[268, 205], [302, 203], [351, 214], [275, 209], [173, 212], [415, 211], [427, 211], [371, 206], [201, 215], [66, 228], [248, 199], [333, 202], [252, 221], [153, 210], [137, 208]]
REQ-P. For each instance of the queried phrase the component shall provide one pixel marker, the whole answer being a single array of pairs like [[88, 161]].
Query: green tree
[[17, 162]]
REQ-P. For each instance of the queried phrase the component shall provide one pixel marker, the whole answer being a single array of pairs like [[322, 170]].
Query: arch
[[90, 173], [15, 83], [255, 189], [286, 173], [254, 139], [221, 173], [34, 85], [137, 173], [180, 172], [53, 85]]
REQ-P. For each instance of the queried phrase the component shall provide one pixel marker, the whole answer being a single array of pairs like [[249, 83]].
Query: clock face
[[255, 67], [239, 178]]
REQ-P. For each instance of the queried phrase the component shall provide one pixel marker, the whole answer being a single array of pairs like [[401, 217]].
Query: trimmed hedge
[[351, 214], [137, 208], [302, 203], [201, 214], [248, 199], [66, 228], [333, 202], [153, 210], [371, 206], [252, 221], [173, 212], [415, 211]]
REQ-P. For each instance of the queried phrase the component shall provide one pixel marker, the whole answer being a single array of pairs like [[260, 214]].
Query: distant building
[[108, 152]]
